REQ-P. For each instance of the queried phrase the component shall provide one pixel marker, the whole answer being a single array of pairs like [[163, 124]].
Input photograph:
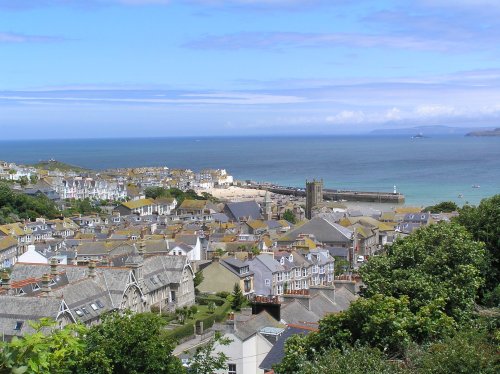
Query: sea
[[426, 170]]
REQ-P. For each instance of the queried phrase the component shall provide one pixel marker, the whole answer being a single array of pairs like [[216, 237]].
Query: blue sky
[[101, 68]]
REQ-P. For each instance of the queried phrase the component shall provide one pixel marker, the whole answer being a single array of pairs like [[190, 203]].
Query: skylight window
[[99, 304], [35, 287], [85, 310], [79, 313], [94, 306]]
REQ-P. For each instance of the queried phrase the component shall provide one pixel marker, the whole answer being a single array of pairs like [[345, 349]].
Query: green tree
[[198, 278], [24, 181], [442, 207], [289, 216], [205, 361], [440, 261], [358, 360], [130, 343], [237, 298], [156, 192], [48, 350], [33, 179], [483, 222], [341, 265]]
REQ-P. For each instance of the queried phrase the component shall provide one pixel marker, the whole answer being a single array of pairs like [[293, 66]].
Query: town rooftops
[[193, 204], [243, 209]]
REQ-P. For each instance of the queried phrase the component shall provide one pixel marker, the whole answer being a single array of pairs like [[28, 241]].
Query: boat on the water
[[476, 186]]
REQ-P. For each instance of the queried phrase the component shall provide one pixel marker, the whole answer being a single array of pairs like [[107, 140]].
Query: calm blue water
[[425, 170]]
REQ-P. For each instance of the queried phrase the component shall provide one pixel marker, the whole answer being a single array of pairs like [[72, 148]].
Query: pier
[[337, 195]]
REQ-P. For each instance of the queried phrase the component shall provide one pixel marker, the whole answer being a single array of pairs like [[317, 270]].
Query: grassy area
[[53, 165]]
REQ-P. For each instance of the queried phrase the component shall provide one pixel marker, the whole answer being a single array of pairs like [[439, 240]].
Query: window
[[85, 310], [94, 306], [315, 269], [267, 282], [99, 304], [231, 368], [279, 277], [19, 326], [297, 272], [79, 313], [35, 287], [304, 272], [297, 285]]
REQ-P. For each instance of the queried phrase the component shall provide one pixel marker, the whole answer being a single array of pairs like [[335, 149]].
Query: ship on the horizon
[[419, 136]]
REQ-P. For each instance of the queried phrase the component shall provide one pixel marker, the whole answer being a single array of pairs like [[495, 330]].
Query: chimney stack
[[53, 267], [45, 284], [5, 280]]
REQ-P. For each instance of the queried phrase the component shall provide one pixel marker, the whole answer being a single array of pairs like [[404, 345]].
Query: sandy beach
[[234, 193]]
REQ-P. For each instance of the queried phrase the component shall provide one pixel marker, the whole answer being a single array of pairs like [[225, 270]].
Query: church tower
[[267, 208], [314, 196]]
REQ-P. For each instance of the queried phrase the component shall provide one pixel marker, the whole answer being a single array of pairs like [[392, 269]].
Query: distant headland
[[495, 132]]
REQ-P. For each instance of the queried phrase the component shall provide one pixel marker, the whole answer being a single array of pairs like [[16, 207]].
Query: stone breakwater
[[338, 195]]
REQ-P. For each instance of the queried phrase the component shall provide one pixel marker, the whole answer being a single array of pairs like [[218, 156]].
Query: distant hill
[[53, 165], [426, 131], [495, 132]]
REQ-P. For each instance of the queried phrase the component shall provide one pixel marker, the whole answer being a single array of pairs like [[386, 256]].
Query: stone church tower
[[267, 211], [314, 196]]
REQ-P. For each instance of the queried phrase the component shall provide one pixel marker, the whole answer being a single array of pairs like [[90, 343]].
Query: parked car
[[360, 259]]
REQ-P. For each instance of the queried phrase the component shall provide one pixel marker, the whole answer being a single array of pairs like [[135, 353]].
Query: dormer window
[[19, 325], [290, 258], [282, 261]]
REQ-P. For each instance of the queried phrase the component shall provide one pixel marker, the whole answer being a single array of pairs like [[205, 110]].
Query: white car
[[360, 259]]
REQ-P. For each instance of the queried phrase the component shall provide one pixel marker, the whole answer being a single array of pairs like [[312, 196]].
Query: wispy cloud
[[278, 40], [9, 37], [30, 4]]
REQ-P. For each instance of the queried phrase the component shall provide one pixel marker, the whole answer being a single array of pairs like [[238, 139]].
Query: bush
[[205, 300], [182, 331], [223, 294]]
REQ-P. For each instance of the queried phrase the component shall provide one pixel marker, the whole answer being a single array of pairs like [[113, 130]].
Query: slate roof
[[323, 230], [295, 312], [246, 327], [277, 352], [269, 262], [15, 309], [243, 209]]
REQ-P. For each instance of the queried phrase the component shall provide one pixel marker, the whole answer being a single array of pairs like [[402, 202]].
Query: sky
[[147, 68]]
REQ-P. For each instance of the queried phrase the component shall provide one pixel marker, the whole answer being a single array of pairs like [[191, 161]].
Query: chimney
[[5, 280], [53, 267], [92, 271], [45, 285]]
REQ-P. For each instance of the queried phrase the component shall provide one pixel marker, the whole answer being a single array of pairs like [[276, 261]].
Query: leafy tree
[[442, 207], [17, 206], [469, 351], [440, 261], [205, 361], [211, 307], [156, 192], [483, 222], [198, 279], [48, 350], [130, 343], [237, 298], [33, 179], [358, 360], [24, 181], [289, 216], [341, 265]]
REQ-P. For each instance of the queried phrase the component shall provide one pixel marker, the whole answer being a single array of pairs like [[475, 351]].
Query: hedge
[[205, 300], [182, 331]]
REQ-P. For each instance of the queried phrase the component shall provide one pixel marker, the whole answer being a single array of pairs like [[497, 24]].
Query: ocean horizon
[[427, 170]]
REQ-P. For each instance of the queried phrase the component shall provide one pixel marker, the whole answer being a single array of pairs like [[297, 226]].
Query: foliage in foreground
[[420, 293], [122, 343], [483, 222]]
